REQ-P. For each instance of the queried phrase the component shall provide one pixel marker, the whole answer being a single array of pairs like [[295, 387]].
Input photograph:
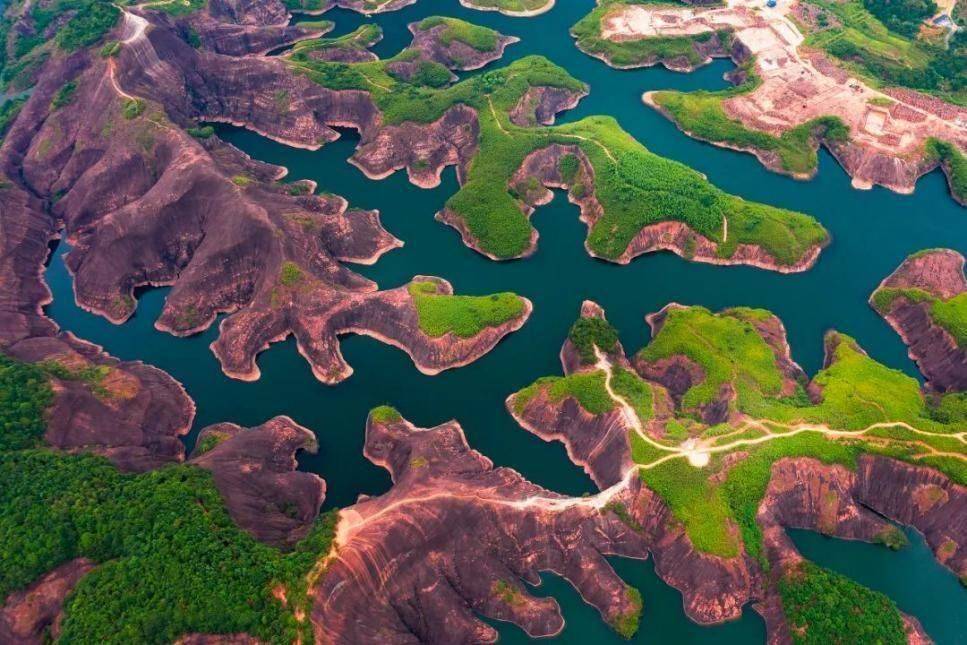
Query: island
[[924, 301], [887, 100], [496, 128], [705, 446], [710, 441], [272, 256]]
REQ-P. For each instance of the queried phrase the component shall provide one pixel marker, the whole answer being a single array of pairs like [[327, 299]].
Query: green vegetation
[[727, 347], [824, 607], [92, 375], [385, 414], [508, 593], [951, 314], [588, 333], [635, 391], [201, 132], [176, 7], [770, 418], [208, 442], [303, 6], [171, 561], [700, 113], [63, 96], [361, 39], [902, 16], [480, 38], [513, 6], [464, 316], [111, 49], [75, 23], [587, 388], [956, 164], [626, 624], [635, 187], [8, 113], [868, 47], [291, 274], [24, 396], [132, 108]]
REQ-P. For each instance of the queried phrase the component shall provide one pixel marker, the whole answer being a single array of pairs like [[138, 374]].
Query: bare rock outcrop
[[32, 616], [597, 443], [906, 300], [540, 105], [806, 494], [433, 44], [254, 469], [316, 316], [456, 536], [150, 205]]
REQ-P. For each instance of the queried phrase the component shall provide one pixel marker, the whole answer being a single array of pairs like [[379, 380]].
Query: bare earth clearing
[[799, 85]]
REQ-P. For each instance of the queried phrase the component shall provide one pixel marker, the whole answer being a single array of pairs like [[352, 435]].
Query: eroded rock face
[[130, 412], [540, 105], [597, 443], [423, 149], [806, 494], [455, 54], [456, 536], [802, 492], [255, 471], [317, 318], [34, 614], [145, 203], [940, 274]]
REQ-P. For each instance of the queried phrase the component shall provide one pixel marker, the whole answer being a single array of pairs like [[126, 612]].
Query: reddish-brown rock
[[455, 536], [33, 615], [940, 274], [255, 471]]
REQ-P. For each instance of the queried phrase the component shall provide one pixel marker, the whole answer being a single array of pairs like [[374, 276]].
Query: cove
[[872, 231]]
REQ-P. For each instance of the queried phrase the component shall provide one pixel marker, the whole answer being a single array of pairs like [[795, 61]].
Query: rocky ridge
[[906, 299]]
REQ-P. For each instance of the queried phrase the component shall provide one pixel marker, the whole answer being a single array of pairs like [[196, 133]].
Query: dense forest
[[170, 559]]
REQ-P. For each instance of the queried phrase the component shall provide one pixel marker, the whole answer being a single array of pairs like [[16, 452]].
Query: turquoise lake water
[[872, 232]]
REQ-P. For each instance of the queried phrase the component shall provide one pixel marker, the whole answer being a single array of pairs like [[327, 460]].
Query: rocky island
[[887, 105], [923, 300], [122, 520], [710, 441], [496, 129]]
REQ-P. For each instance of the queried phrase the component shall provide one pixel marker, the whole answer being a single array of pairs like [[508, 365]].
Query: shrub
[[591, 332]]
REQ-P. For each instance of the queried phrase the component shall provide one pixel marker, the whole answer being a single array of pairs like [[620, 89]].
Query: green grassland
[[587, 388], [635, 187], [718, 506], [170, 559], [362, 38], [463, 316]]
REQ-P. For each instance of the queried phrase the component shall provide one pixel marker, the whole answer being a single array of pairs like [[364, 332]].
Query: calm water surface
[[872, 232]]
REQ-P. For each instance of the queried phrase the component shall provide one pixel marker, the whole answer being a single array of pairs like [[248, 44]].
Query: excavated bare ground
[[886, 144]]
